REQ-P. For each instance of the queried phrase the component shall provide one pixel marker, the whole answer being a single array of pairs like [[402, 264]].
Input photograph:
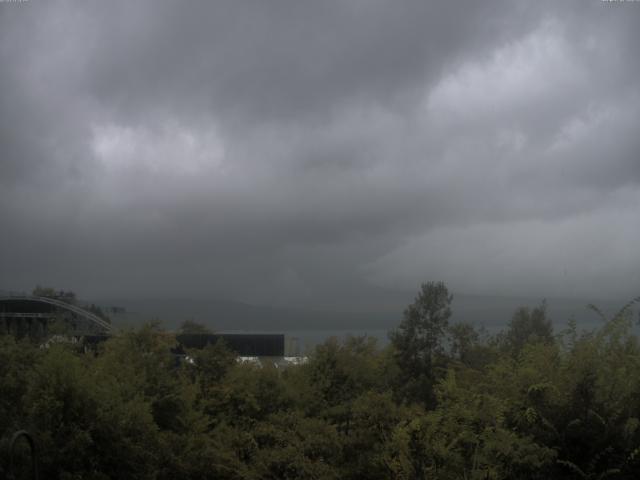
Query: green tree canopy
[[191, 326], [527, 326], [419, 338]]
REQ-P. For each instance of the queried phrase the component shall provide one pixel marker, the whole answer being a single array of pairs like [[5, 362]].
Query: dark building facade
[[22, 317]]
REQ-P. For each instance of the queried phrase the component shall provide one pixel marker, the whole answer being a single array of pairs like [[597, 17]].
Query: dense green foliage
[[441, 401]]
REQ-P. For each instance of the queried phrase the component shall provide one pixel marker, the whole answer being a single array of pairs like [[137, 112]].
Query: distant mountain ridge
[[226, 315]]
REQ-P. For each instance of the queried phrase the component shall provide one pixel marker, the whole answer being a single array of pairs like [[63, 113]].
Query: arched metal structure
[[63, 305]]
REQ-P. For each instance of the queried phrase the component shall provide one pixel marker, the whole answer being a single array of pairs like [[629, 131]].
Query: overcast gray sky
[[320, 152]]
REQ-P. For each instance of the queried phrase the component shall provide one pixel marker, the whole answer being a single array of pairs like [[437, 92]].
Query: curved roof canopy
[[62, 305]]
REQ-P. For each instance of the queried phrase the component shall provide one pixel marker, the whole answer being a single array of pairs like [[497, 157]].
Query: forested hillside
[[441, 401]]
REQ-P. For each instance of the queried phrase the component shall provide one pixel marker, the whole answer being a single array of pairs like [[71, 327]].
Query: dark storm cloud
[[303, 151], [278, 60]]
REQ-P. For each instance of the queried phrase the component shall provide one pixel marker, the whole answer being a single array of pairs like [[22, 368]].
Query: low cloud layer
[[319, 153]]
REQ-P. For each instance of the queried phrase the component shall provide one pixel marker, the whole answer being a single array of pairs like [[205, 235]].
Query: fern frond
[[608, 473], [627, 307], [572, 466], [599, 312]]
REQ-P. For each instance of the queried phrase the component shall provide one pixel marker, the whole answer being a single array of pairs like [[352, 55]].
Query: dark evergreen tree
[[418, 340]]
